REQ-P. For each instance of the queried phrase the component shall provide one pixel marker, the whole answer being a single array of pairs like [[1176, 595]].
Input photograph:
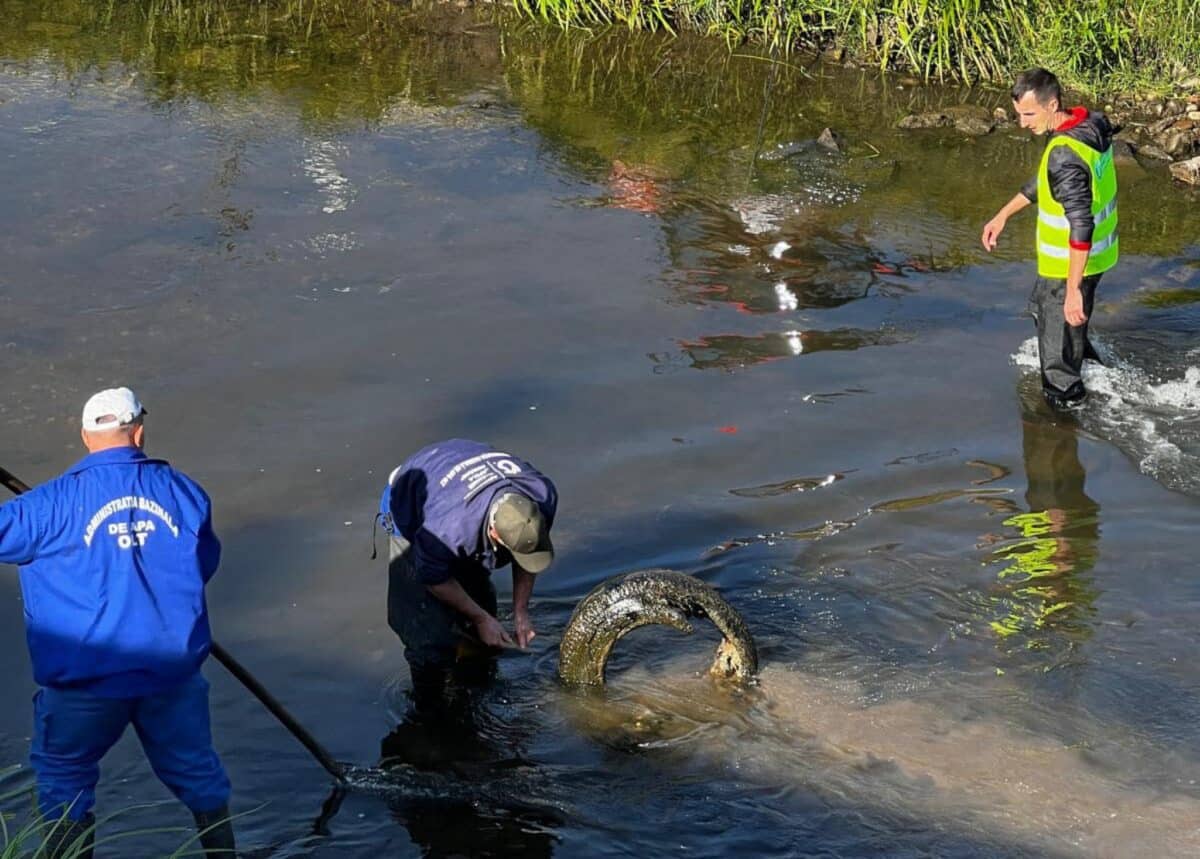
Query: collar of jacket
[[1078, 115], [113, 456]]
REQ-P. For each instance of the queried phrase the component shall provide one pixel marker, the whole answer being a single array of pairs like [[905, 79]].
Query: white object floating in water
[[778, 250], [796, 344], [787, 298]]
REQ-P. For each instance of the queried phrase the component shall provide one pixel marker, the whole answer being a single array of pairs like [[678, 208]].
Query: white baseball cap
[[110, 409]]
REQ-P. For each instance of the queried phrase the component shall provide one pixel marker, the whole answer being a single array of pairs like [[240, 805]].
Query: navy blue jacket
[[113, 556], [438, 500]]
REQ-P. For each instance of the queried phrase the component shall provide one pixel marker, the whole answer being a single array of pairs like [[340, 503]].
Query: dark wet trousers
[[1062, 348], [434, 634], [73, 729]]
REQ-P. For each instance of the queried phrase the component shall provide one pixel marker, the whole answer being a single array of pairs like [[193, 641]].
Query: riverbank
[[1102, 48], [208, 47]]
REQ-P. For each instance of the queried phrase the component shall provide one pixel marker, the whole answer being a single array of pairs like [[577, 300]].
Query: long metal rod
[[319, 752]]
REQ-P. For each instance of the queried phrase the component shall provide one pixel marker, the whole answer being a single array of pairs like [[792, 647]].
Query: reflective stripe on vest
[[1053, 228]]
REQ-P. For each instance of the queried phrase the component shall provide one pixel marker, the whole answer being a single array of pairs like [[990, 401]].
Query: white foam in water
[[762, 214], [1139, 414]]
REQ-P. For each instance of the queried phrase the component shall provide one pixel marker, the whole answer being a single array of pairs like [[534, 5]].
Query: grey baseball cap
[[522, 530]]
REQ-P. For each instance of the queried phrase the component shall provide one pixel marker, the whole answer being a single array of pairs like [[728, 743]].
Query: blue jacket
[[438, 500], [113, 556]]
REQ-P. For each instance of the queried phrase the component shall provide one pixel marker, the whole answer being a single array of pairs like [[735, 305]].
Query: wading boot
[[74, 838], [216, 832]]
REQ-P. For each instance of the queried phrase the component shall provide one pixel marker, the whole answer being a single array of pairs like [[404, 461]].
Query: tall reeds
[[1098, 45]]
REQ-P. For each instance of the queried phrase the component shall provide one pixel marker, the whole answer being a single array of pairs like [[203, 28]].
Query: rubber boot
[[216, 832], [428, 694], [76, 838]]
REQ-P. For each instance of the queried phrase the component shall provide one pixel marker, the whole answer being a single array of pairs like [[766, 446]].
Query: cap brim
[[537, 560]]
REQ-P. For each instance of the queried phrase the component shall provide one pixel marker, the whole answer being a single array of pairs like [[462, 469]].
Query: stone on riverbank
[[1187, 171], [969, 119]]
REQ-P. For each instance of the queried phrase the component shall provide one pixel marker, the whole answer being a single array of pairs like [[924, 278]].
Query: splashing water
[[1155, 422]]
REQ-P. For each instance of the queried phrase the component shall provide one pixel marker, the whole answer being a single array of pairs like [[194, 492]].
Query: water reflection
[[1046, 598], [459, 828], [734, 351], [462, 740], [683, 109]]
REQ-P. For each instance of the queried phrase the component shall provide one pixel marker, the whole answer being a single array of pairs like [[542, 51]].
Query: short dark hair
[[1043, 84]]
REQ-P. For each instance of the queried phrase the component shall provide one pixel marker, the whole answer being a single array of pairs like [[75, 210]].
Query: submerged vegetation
[[1100, 46]]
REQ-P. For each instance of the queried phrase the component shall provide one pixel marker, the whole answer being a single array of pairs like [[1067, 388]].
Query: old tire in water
[[623, 603]]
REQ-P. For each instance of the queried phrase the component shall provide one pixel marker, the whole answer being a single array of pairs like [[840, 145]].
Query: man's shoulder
[[448, 450], [1093, 130], [156, 474], [188, 483]]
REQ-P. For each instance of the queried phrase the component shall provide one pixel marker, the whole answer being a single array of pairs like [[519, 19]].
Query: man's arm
[[1073, 302], [208, 547], [19, 532], [452, 594], [1071, 186], [993, 228], [522, 590]]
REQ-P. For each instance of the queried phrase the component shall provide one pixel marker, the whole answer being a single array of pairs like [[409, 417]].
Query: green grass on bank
[[25, 835], [1101, 47], [1098, 45]]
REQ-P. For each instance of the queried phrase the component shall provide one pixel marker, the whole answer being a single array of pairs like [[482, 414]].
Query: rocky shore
[[1155, 131]]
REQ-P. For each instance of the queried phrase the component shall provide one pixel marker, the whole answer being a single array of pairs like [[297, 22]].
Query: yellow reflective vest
[[1053, 229]]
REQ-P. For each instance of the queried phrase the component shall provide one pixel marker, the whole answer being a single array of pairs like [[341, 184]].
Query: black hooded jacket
[[1070, 178]]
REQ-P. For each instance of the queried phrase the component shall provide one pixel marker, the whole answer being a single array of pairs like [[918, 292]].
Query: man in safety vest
[[114, 556], [1076, 194]]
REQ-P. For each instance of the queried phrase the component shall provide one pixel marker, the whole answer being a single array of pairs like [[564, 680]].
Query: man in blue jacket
[[114, 556], [457, 510]]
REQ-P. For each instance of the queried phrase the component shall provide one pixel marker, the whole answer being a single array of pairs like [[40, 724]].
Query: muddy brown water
[[791, 373]]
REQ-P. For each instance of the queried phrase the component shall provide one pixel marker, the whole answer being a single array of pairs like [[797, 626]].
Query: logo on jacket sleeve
[[127, 534]]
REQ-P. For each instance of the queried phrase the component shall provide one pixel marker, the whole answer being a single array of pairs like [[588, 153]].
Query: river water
[[317, 238]]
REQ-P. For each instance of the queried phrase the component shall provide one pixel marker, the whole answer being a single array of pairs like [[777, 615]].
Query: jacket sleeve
[[1029, 190], [209, 550], [208, 547], [1071, 186], [550, 507], [432, 559], [20, 531]]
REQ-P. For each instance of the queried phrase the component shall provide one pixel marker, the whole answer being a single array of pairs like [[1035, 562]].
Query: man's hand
[[524, 629], [991, 232], [1073, 307], [492, 633]]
